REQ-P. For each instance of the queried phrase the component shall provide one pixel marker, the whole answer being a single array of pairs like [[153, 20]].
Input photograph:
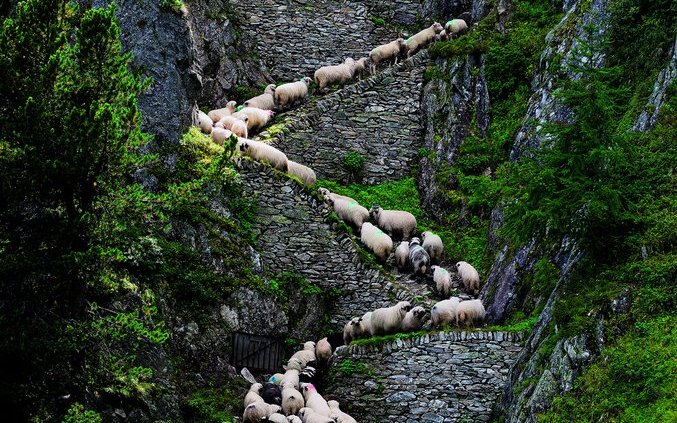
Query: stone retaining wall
[[441, 377], [378, 117], [295, 235]]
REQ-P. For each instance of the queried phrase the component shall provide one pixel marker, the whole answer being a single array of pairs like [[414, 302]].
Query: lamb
[[422, 39], [468, 312], [226, 122], [350, 330], [239, 127], [395, 223], [389, 319], [348, 210], [263, 152], [390, 51], [360, 66], [377, 241], [402, 255], [314, 400], [292, 400], [336, 74], [259, 411], [323, 350], [413, 320], [338, 415], [309, 416], [294, 419], [455, 28], [253, 394], [220, 135], [202, 121], [306, 355], [277, 418], [218, 114], [442, 36], [442, 280], [291, 374], [444, 311], [265, 101], [256, 118], [304, 173], [432, 243], [289, 93], [419, 258], [469, 277]]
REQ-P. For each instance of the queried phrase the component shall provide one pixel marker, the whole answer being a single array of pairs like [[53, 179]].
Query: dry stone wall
[[378, 117], [442, 377], [295, 235]]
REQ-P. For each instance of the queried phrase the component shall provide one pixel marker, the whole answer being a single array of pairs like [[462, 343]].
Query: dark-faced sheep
[[442, 279], [291, 93], [263, 152], [469, 312], [338, 415], [388, 320], [432, 243], [418, 257], [402, 255], [385, 52], [413, 320], [376, 240], [455, 28], [271, 393], [218, 114], [265, 101], [421, 39], [396, 223], [444, 312], [314, 400], [304, 173], [469, 277]]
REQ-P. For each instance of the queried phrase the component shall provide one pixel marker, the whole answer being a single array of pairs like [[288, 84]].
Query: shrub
[[354, 162]]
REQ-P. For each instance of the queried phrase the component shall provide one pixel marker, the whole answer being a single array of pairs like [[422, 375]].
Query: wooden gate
[[257, 352]]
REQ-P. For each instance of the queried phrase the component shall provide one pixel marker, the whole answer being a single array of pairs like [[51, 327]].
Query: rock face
[[378, 118], [444, 377], [295, 235]]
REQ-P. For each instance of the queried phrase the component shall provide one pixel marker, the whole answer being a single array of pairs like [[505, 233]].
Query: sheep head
[[270, 89], [437, 27], [231, 106], [414, 241], [306, 80], [375, 211], [244, 146], [418, 311], [404, 306], [256, 388]]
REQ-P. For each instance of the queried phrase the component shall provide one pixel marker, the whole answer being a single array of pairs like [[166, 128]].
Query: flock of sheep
[[291, 397]]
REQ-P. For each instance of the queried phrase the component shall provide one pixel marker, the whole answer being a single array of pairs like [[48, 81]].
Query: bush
[[354, 162]]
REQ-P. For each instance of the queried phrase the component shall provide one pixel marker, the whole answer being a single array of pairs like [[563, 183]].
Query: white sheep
[[335, 74], [277, 418], [306, 355], [256, 118], [259, 411], [413, 320], [202, 121], [389, 51], [351, 329], [325, 193], [218, 114], [388, 320], [239, 127], [294, 419], [276, 378], [265, 101], [292, 399], [338, 415], [304, 173], [291, 374], [360, 66], [226, 122], [442, 279], [444, 311], [469, 312], [402, 255], [263, 152], [366, 326], [421, 39], [418, 257], [442, 36], [376, 240], [220, 135], [292, 92], [314, 400], [455, 27], [432, 243], [395, 223], [348, 210], [323, 350], [253, 394], [469, 277], [309, 416]]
